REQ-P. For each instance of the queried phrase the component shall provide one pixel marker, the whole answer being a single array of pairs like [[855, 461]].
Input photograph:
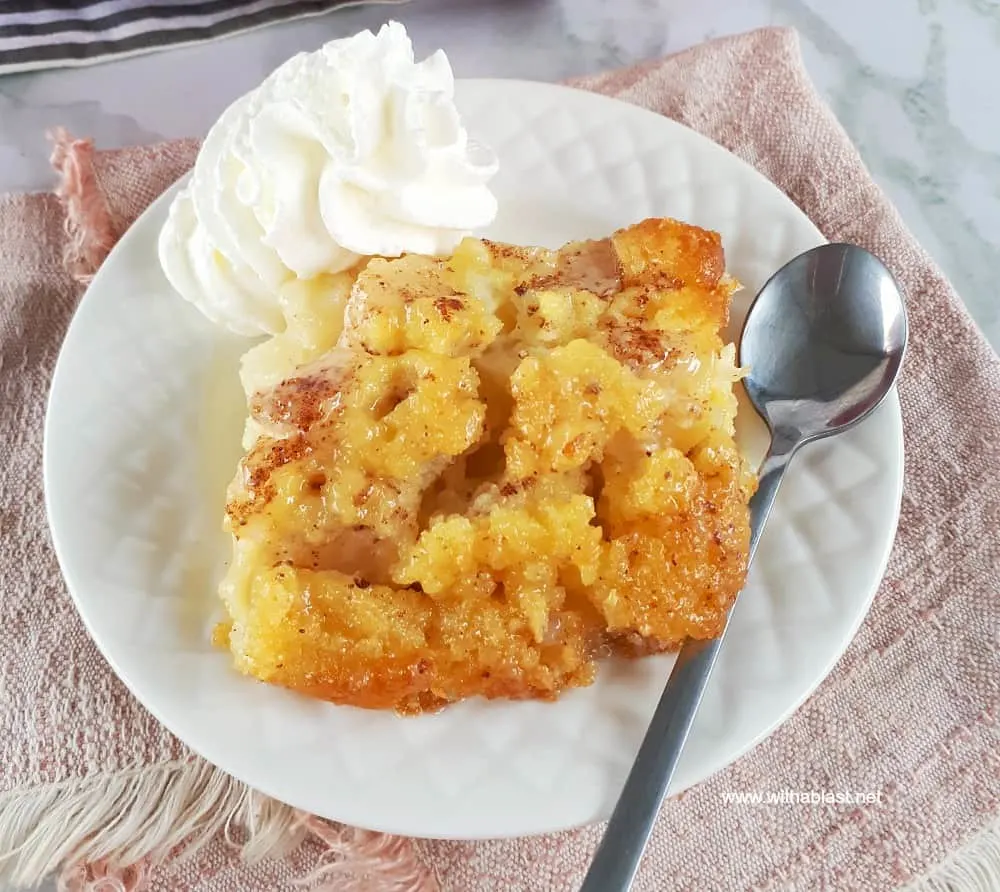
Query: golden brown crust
[[515, 460]]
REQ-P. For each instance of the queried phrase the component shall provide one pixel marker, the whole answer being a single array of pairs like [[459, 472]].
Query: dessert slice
[[513, 461]]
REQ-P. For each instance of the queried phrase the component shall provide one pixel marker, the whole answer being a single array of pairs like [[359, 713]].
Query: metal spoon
[[823, 340]]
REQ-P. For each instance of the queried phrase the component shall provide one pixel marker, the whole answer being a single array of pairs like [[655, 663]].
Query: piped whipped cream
[[352, 150]]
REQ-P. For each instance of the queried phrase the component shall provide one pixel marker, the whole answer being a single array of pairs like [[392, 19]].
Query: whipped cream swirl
[[352, 150]]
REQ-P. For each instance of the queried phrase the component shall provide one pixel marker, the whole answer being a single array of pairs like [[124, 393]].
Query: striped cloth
[[58, 33]]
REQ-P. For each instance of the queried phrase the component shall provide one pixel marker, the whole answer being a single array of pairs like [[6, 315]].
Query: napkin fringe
[[973, 868], [90, 232], [106, 834]]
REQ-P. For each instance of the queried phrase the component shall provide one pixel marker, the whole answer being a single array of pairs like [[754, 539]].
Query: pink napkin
[[93, 788]]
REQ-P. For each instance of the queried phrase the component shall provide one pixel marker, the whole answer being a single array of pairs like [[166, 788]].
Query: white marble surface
[[913, 81]]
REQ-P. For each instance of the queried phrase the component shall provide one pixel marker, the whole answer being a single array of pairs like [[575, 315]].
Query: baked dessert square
[[476, 475]]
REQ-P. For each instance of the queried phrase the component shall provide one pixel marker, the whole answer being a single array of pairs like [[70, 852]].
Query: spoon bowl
[[823, 342]]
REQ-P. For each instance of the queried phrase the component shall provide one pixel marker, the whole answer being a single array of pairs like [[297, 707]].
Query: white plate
[[143, 434]]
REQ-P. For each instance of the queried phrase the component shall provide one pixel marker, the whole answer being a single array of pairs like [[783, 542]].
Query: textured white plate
[[143, 433]]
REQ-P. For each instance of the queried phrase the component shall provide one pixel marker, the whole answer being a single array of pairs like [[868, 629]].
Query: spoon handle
[[617, 858]]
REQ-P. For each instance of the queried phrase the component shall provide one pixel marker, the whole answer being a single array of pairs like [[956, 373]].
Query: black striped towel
[[57, 33]]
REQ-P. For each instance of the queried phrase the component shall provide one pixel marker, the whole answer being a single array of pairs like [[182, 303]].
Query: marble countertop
[[909, 79]]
